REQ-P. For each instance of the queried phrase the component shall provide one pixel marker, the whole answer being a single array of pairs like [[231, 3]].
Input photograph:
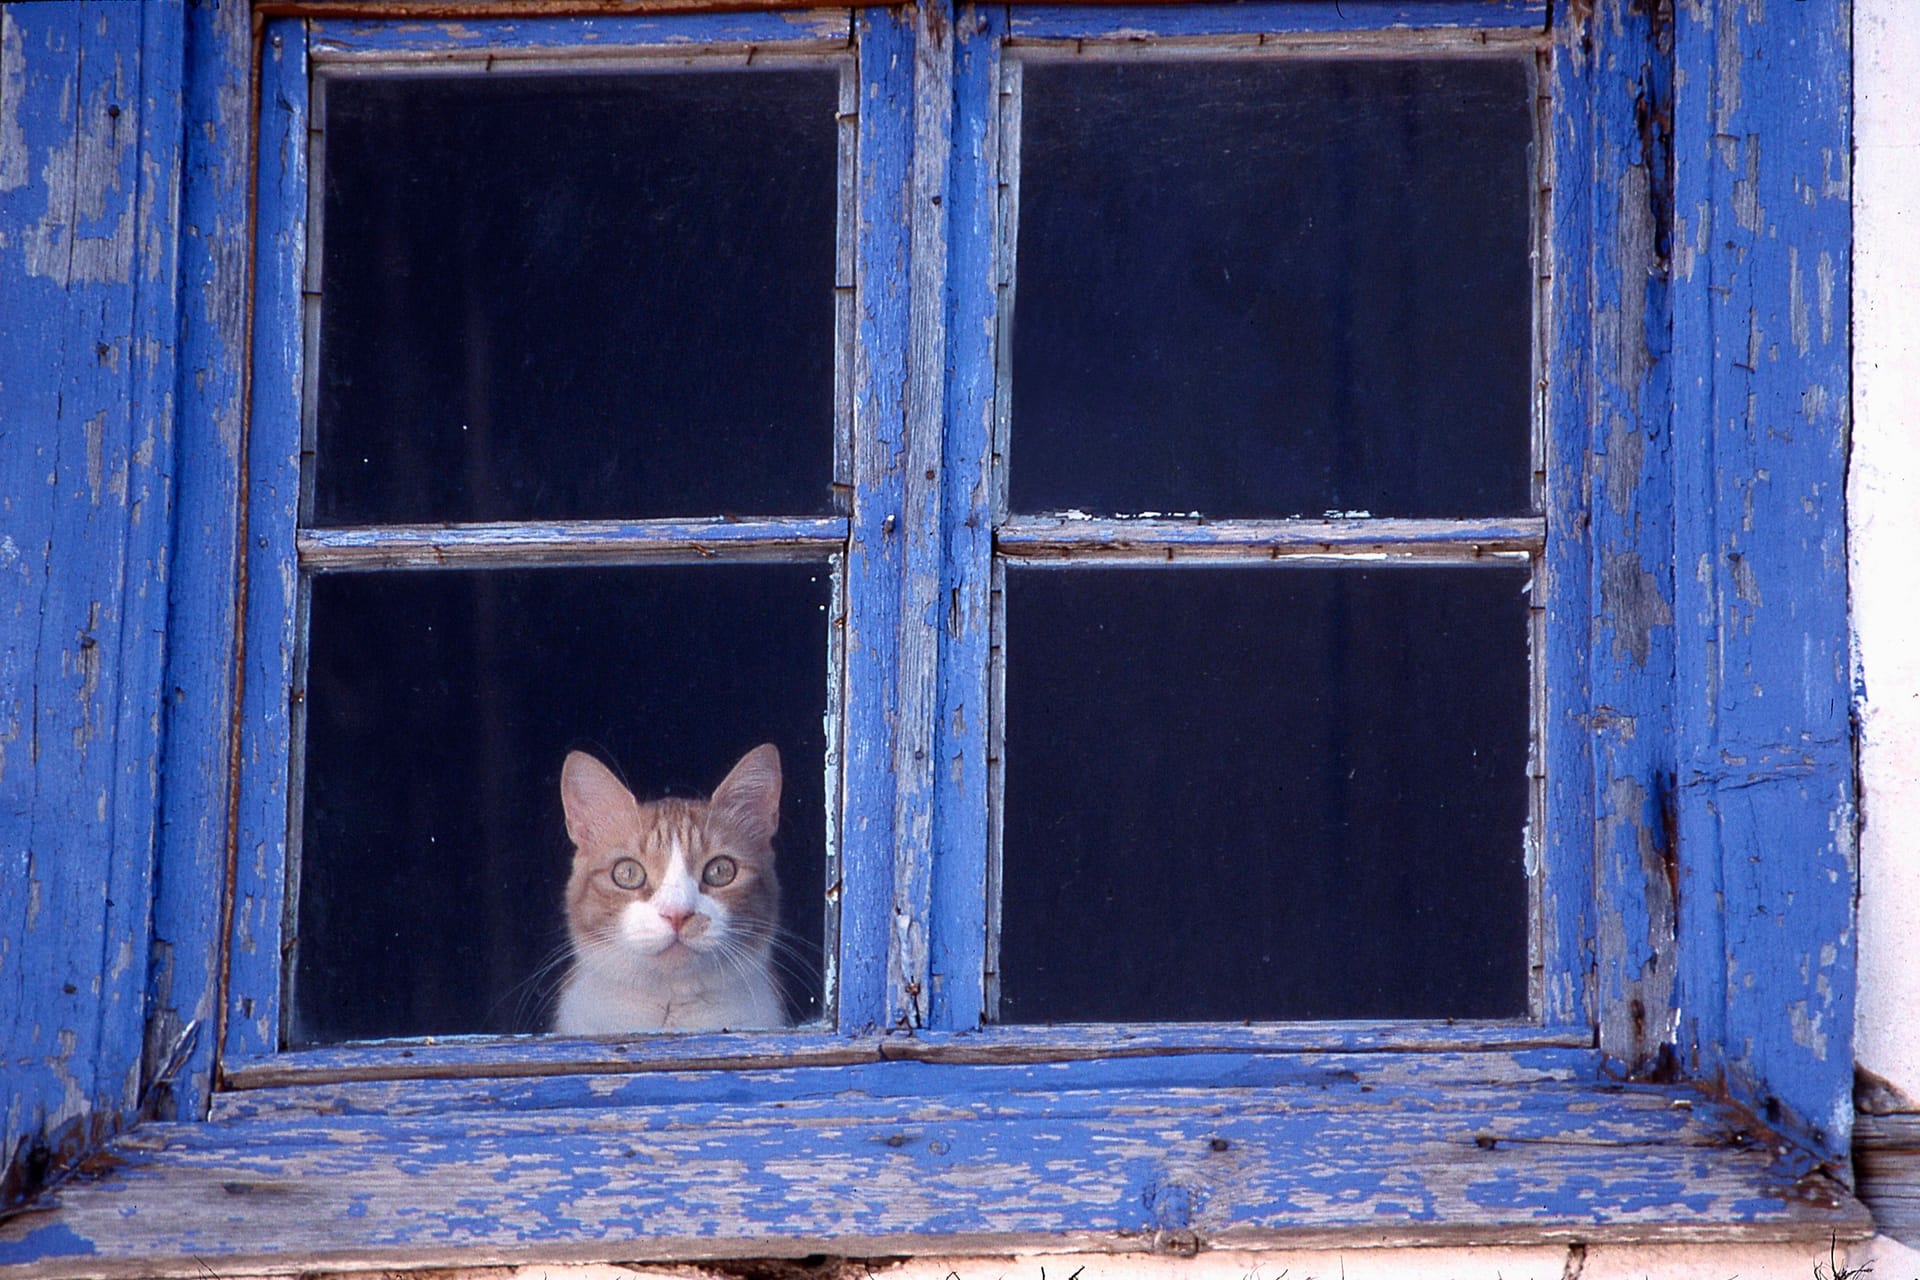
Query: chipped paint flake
[[81, 238], [1798, 318], [13, 88], [1634, 603]]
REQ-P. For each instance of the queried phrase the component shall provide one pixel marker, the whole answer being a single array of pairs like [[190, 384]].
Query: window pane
[[551, 297], [1264, 793], [440, 707], [1273, 288]]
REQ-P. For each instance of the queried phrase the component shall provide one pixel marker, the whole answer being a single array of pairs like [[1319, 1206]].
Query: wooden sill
[[1886, 1156], [1175, 1154]]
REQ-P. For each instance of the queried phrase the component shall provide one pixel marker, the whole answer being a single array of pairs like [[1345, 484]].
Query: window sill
[[902, 1157]]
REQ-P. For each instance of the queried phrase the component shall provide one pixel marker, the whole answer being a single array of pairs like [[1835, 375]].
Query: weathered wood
[[1163, 539], [257, 872], [960, 884], [367, 31], [418, 11], [1761, 392], [929, 1077], [90, 138], [876, 544], [1886, 1166], [921, 531], [1304, 17], [1568, 910], [483, 1058], [1614, 75], [203, 585], [1398, 13], [107, 412], [575, 542], [1104, 1169]]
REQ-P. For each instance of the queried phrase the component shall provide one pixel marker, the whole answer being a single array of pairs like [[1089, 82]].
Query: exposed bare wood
[[484, 1058], [573, 542], [432, 10], [1172, 1169], [1886, 1165], [418, 10], [908, 982], [921, 1077], [1032, 40], [1158, 539]]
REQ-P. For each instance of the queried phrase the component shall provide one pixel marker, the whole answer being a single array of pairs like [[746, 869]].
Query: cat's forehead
[[665, 826], [661, 832]]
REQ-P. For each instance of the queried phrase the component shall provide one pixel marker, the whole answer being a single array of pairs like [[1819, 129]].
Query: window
[[556, 309], [967, 320], [1289, 291], [571, 474]]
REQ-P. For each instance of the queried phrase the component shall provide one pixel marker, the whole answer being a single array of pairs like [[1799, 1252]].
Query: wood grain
[[1886, 1161], [570, 542], [1349, 540], [868, 1162], [1765, 816]]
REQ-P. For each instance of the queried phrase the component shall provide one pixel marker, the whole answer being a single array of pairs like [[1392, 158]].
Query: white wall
[[1884, 529]]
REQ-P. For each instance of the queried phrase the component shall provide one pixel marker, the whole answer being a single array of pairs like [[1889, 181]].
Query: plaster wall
[[1884, 532]]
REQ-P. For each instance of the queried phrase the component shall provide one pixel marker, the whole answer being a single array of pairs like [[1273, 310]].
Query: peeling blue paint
[[1697, 744], [54, 1240]]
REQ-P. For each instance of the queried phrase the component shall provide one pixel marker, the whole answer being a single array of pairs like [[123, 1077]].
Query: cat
[[673, 905]]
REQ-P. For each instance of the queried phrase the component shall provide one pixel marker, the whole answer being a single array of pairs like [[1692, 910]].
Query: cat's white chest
[[595, 1002]]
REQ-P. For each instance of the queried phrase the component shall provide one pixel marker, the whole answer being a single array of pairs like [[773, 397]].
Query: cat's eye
[[719, 872], [628, 874]]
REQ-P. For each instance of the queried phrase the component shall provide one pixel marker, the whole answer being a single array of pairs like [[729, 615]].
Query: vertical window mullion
[[920, 526], [876, 544], [256, 871], [959, 927]]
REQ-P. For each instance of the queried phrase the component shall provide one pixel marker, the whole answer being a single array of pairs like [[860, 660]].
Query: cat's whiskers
[[539, 986], [792, 959]]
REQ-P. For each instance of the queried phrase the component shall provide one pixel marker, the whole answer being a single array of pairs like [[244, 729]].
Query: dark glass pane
[[1273, 288], [440, 708], [1265, 793], [550, 297]]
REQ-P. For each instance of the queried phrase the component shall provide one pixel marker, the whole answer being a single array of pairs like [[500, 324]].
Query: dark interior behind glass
[[577, 296], [1273, 288], [439, 709], [1265, 793]]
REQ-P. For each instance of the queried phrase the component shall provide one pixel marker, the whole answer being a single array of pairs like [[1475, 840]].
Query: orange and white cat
[[673, 905]]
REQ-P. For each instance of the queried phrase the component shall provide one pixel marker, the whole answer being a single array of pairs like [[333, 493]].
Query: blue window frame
[[1682, 1065]]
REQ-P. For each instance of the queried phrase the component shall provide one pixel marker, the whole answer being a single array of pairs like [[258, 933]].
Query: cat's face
[[673, 883]]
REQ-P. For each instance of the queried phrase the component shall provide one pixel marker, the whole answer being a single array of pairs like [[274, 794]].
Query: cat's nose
[[676, 919]]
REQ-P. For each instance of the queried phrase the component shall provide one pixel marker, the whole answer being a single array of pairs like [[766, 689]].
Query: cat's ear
[[749, 798], [596, 803]]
